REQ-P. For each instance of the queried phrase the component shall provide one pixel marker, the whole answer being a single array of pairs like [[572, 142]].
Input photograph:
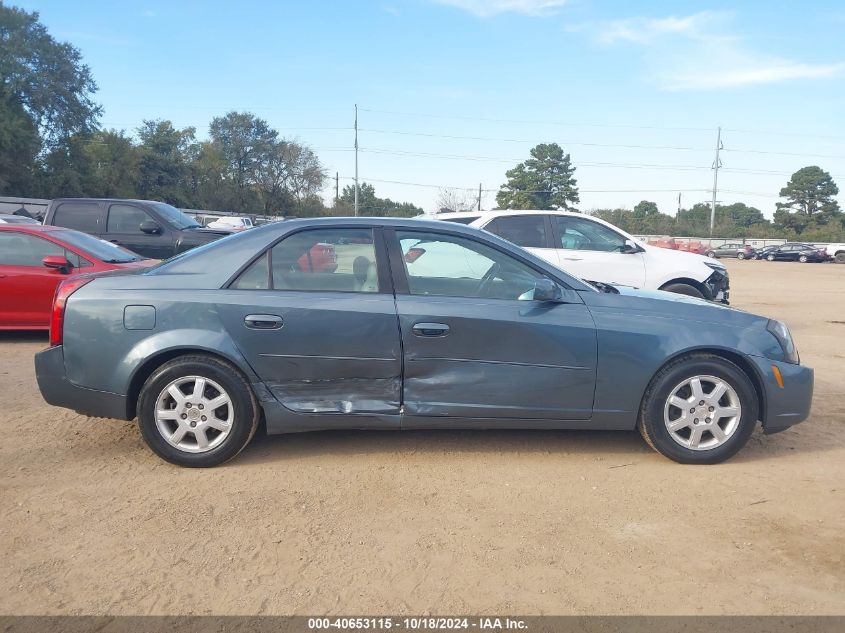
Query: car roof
[[495, 213], [32, 228], [107, 200]]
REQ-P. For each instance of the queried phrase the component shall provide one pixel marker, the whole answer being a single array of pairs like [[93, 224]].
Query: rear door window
[[82, 216], [317, 260], [528, 231]]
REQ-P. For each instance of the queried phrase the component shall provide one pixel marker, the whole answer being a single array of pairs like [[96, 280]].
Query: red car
[[35, 258]]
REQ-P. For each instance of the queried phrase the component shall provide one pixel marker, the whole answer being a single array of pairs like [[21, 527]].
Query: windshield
[[174, 217], [97, 248]]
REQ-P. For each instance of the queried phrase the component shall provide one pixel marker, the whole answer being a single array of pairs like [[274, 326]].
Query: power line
[[561, 123], [514, 140], [440, 186]]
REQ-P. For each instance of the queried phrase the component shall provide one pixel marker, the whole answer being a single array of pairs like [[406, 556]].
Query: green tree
[[291, 175], [45, 96], [19, 147], [165, 157], [810, 191], [245, 143], [371, 205], [111, 159], [644, 209], [544, 181], [48, 77]]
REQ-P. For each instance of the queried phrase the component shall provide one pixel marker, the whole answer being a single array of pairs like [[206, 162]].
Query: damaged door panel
[[498, 359], [335, 352]]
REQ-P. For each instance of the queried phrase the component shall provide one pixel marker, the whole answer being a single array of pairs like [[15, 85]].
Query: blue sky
[[452, 93]]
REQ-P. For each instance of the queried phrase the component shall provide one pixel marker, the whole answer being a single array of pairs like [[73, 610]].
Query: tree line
[[808, 210]]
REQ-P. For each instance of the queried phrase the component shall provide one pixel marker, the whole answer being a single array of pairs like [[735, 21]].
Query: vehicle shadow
[[621, 446], [24, 336]]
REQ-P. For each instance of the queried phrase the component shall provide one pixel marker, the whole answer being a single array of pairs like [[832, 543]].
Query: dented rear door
[[324, 336]]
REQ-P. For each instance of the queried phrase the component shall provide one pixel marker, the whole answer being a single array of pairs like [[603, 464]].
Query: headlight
[[781, 333]]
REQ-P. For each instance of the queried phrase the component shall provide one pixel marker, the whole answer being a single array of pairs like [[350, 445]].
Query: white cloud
[[487, 8], [646, 30], [700, 52]]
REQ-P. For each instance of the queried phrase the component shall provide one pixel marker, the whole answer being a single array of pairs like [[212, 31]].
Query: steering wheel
[[488, 277]]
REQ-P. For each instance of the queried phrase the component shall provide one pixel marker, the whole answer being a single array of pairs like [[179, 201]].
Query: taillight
[[65, 290]]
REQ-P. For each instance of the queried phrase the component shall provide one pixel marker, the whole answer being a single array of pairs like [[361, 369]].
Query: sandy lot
[[441, 522]]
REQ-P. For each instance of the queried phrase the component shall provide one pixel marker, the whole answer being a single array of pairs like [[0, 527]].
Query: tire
[[656, 413], [840, 257], [684, 289], [802, 259], [770, 258], [711, 254], [740, 255], [224, 430]]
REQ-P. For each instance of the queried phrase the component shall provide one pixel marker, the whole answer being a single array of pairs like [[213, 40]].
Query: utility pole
[[716, 165], [356, 159], [336, 188], [679, 206], [479, 196]]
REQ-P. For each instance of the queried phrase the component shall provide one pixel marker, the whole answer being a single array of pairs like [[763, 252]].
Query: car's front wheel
[[770, 258], [700, 409], [802, 259], [684, 289], [740, 255], [197, 411]]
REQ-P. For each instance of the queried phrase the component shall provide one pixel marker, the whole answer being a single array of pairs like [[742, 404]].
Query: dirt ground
[[433, 522]]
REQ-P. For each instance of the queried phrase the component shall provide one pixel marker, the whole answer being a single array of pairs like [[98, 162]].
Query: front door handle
[[430, 329], [263, 321]]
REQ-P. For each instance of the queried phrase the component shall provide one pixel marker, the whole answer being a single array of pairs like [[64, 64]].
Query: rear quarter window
[[81, 216]]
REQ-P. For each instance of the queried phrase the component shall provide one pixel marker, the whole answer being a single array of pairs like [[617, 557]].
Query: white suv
[[595, 250]]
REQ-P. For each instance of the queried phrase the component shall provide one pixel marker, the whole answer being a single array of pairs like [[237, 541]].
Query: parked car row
[[790, 251], [793, 252]]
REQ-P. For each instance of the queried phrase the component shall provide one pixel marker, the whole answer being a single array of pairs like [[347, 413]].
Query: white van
[[595, 250]]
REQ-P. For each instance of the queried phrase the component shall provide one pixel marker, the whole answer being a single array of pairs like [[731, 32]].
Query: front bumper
[[719, 286], [57, 390], [788, 405]]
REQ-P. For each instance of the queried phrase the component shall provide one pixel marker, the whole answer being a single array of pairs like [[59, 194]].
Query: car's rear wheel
[[840, 258], [684, 289], [197, 411], [700, 409]]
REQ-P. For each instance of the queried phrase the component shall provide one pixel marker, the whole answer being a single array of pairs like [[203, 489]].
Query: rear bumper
[[784, 407], [57, 390]]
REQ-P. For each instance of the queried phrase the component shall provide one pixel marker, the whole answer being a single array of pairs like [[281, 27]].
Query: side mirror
[[546, 290], [630, 247], [57, 262], [150, 228]]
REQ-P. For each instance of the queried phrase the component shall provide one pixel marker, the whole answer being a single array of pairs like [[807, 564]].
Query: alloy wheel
[[194, 414], [702, 412]]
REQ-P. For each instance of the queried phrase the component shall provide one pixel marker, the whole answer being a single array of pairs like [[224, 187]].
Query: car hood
[[681, 259], [666, 305]]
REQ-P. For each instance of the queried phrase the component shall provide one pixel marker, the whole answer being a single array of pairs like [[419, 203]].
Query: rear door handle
[[430, 329], [263, 321]]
